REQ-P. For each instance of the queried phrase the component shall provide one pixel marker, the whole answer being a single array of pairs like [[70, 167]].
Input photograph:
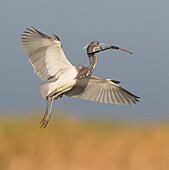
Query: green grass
[[71, 144]]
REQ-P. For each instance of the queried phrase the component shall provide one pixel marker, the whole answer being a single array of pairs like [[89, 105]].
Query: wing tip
[[55, 37], [115, 81]]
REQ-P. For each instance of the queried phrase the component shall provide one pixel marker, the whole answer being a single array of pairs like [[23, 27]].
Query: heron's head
[[94, 45]]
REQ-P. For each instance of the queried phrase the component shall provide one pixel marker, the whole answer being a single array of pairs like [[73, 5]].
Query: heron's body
[[50, 64], [64, 83]]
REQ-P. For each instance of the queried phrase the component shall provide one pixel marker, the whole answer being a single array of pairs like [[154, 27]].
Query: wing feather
[[102, 90], [45, 54], [116, 96], [126, 100]]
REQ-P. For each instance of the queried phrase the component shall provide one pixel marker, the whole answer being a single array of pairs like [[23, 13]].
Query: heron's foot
[[44, 122]]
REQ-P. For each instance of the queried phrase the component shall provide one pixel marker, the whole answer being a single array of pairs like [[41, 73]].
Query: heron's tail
[[46, 89]]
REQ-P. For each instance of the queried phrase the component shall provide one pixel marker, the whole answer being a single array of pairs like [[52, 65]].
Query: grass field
[[71, 144]]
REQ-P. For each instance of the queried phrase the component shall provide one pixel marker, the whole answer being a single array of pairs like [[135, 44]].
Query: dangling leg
[[47, 116], [46, 112]]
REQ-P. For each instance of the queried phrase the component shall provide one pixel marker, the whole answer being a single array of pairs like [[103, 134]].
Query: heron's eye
[[98, 43]]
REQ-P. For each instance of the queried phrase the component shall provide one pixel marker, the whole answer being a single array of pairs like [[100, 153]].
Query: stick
[[111, 47]]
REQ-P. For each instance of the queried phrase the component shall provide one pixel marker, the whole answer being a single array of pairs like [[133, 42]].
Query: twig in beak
[[111, 47], [125, 50]]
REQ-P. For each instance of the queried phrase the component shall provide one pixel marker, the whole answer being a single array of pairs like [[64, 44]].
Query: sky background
[[140, 26]]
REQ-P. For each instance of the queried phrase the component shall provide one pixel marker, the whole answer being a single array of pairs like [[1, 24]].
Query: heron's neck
[[92, 58], [85, 71], [93, 62]]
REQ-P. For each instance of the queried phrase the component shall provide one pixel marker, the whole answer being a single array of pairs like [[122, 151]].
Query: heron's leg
[[46, 112], [47, 116]]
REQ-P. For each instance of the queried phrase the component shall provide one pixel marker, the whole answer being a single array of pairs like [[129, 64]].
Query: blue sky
[[139, 26]]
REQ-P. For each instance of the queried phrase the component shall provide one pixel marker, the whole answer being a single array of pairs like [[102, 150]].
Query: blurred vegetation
[[69, 143]]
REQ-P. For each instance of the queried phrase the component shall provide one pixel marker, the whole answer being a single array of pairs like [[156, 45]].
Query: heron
[[62, 78]]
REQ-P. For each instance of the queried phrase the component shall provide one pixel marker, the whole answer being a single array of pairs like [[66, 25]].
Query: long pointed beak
[[103, 45]]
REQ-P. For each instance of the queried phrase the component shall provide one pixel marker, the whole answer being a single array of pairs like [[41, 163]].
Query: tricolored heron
[[50, 64]]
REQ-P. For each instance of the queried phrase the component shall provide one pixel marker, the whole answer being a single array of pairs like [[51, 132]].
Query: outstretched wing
[[101, 90], [45, 54]]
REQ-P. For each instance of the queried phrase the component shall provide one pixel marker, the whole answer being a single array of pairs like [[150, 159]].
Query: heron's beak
[[103, 46]]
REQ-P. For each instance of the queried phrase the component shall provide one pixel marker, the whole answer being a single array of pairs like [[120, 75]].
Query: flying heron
[[50, 64]]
